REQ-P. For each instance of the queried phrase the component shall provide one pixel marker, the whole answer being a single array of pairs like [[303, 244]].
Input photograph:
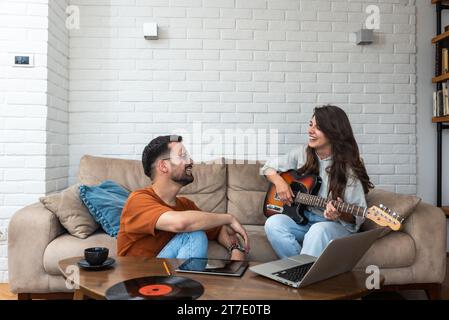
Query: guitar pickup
[[275, 208]]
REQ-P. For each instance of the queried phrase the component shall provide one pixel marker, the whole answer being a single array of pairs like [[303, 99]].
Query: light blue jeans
[[290, 239], [186, 245]]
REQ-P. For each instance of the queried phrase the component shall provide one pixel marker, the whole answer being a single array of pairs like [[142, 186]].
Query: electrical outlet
[[3, 234]]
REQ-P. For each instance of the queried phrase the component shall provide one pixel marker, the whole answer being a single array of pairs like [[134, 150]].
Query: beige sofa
[[414, 257]]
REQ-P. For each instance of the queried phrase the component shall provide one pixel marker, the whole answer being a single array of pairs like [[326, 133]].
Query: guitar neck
[[315, 201]]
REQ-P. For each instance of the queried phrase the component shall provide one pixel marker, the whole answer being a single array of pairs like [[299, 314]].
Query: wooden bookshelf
[[440, 119], [441, 78], [440, 41], [440, 37]]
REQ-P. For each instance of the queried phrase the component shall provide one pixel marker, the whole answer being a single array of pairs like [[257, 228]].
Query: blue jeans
[[290, 239], [186, 245]]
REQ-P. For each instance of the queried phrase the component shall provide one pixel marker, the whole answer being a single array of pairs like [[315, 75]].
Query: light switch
[[24, 60]]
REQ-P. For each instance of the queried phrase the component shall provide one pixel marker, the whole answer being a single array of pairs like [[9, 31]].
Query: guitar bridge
[[275, 208]]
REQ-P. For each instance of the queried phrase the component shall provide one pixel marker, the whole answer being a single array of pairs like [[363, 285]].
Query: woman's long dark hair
[[334, 123]]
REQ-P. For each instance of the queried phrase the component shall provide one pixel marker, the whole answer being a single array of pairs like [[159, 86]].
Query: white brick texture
[[33, 106], [242, 64]]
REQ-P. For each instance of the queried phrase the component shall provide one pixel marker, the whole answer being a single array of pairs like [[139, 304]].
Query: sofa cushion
[[402, 204], [67, 246], [127, 173], [395, 250], [261, 249], [105, 202], [71, 212], [247, 189], [208, 190]]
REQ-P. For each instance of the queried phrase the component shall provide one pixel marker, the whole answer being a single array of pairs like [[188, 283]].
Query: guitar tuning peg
[[381, 206]]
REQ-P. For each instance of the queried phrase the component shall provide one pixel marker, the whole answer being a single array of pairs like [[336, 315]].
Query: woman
[[331, 153]]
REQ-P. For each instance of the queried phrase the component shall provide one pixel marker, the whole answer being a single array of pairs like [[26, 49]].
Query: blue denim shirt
[[354, 193]]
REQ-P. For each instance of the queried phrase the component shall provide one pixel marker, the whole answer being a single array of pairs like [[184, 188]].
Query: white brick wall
[[57, 103], [23, 110], [244, 64], [33, 106]]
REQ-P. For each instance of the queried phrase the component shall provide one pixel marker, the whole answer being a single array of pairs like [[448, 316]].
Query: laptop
[[341, 255]]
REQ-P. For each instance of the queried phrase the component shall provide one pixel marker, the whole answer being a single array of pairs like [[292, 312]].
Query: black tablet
[[214, 267]]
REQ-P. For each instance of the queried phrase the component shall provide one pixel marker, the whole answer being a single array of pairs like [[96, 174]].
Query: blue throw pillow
[[105, 203]]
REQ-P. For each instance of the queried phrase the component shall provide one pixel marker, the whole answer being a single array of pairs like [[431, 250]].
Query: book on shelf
[[434, 104], [437, 97], [438, 63], [444, 61], [445, 99], [441, 101]]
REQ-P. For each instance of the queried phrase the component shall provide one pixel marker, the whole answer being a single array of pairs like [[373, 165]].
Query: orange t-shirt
[[138, 235]]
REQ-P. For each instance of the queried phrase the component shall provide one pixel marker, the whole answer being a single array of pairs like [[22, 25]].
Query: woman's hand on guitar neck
[[331, 213], [284, 191]]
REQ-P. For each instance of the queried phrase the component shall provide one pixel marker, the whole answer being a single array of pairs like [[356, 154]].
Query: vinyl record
[[156, 288]]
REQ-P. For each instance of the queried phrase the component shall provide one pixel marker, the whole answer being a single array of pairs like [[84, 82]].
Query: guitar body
[[309, 184]]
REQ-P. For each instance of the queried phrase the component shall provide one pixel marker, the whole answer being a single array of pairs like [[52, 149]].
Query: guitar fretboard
[[315, 201]]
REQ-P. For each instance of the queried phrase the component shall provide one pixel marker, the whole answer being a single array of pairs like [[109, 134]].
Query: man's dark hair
[[156, 148]]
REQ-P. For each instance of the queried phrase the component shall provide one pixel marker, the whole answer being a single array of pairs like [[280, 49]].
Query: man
[[155, 222]]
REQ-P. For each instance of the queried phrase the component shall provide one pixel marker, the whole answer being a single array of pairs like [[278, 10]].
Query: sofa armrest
[[427, 227], [31, 229]]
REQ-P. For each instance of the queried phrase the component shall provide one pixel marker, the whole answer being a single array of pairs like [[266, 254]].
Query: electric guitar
[[305, 189]]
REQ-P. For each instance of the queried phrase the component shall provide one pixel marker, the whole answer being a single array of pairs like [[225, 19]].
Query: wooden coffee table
[[93, 284]]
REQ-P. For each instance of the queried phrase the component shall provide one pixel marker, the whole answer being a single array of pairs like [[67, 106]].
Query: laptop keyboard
[[294, 274]]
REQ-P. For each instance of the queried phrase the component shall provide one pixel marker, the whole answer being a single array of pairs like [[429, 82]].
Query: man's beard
[[185, 178]]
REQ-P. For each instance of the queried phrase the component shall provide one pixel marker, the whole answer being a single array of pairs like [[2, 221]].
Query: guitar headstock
[[384, 217]]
